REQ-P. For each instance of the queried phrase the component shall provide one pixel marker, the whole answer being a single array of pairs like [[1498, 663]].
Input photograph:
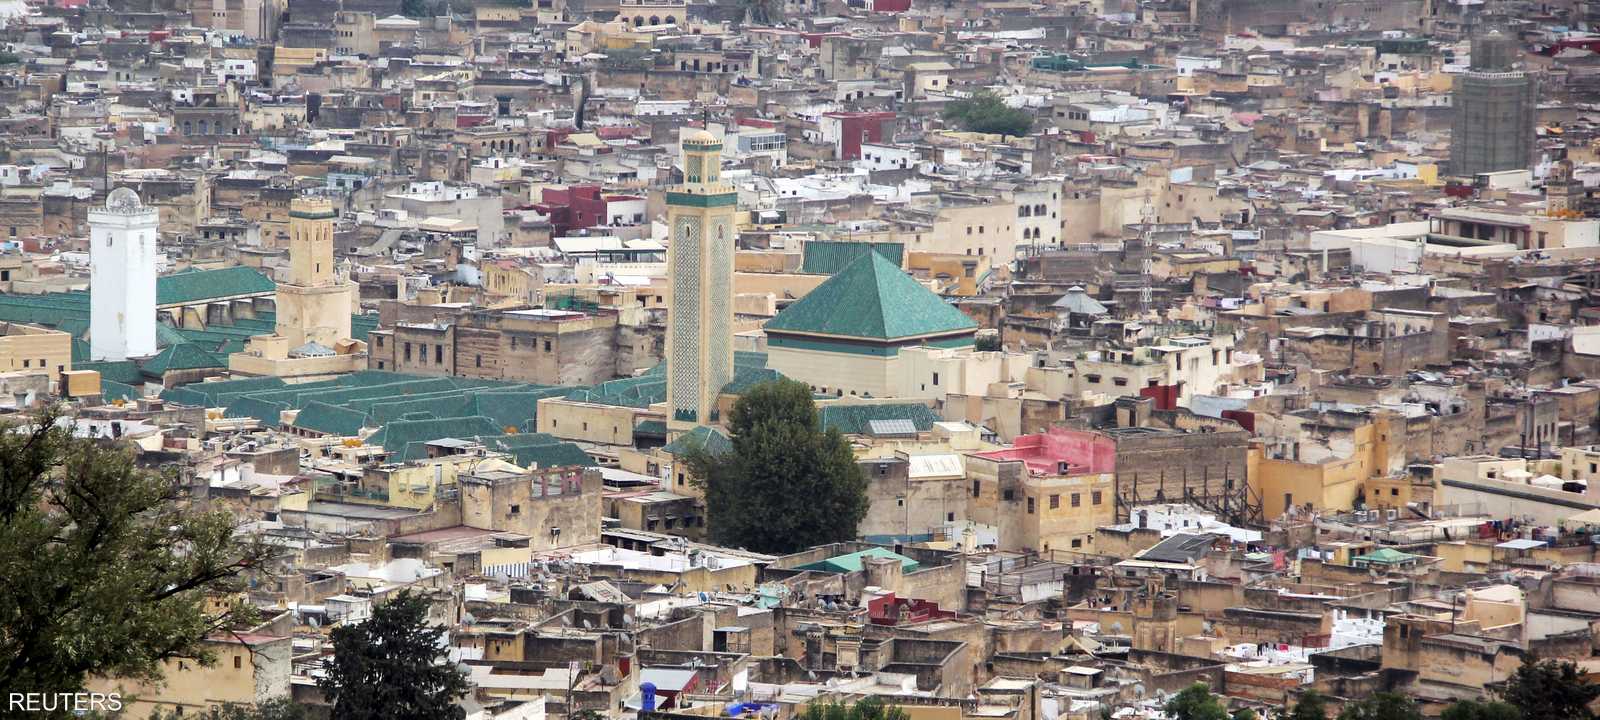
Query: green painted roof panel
[[200, 285], [827, 258], [872, 299]]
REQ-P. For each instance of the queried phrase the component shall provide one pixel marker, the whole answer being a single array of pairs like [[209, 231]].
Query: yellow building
[[29, 347], [1049, 491], [249, 669]]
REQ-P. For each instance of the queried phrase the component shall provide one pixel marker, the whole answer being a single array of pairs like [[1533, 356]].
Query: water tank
[[648, 704]]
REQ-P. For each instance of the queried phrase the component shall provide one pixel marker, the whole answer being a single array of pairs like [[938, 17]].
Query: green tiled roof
[[394, 436], [826, 258], [198, 285], [112, 391], [853, 562], [215, 389], [250, 406], [539, 449], [330, 420], [76, 327], [118, 371], [514, 408], [1385, 556], [185, 356], [853, 419], [184, 396], [711, 439], [873, 299]]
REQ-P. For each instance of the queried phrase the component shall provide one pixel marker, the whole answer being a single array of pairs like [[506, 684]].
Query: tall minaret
[[700, 270], [122, 278], [313, 303]]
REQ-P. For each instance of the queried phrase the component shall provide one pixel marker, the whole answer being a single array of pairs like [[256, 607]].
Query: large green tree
[[1480, 710], [393, 666], [787, 484], [1195, 703], [1550, 690], [1313, 705], [107, 566], [1382, 706], [986, 112], [869, 708], [269, 710]]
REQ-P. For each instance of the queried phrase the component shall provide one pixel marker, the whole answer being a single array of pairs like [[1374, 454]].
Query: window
[[1030, 506], [438, 354], [949, 517], [1010, 494], [1092, 379], [1077, 499], [1119, 381], [1055, 501], [547, 346], [1094, 497], [976, 486], [477, 361], [516, 509], [936, 378], [238, 662], [408, 352]]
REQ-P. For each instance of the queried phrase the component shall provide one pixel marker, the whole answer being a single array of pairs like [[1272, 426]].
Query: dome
[[124, 199], [700, 137]]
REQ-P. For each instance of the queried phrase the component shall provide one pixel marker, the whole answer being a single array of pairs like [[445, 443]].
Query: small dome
[[700, 137], [124, 199]]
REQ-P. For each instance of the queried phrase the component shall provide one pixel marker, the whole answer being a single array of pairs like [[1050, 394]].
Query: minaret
[[122, 278], [700, 271], [313, 303]]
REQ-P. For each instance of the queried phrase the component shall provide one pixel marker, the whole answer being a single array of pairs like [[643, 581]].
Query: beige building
[[29, 347], [249, 669], [312, 335], [862, 333]]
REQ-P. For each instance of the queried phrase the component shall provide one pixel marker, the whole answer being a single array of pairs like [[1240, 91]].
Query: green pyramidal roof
[[871, 298], [183, 356]]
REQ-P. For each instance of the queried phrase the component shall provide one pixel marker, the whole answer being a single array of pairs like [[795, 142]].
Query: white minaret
[[122, 278]]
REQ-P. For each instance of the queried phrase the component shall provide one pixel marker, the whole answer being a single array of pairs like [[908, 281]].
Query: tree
[[393, 667], [870, 708], [787, 484], [986, 112], [414, 8], [1312, 706], [1550, 690], [269, 710], [1480, 710], [1195, 703], [1382, 706], [1245, 714], [107, 566]]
